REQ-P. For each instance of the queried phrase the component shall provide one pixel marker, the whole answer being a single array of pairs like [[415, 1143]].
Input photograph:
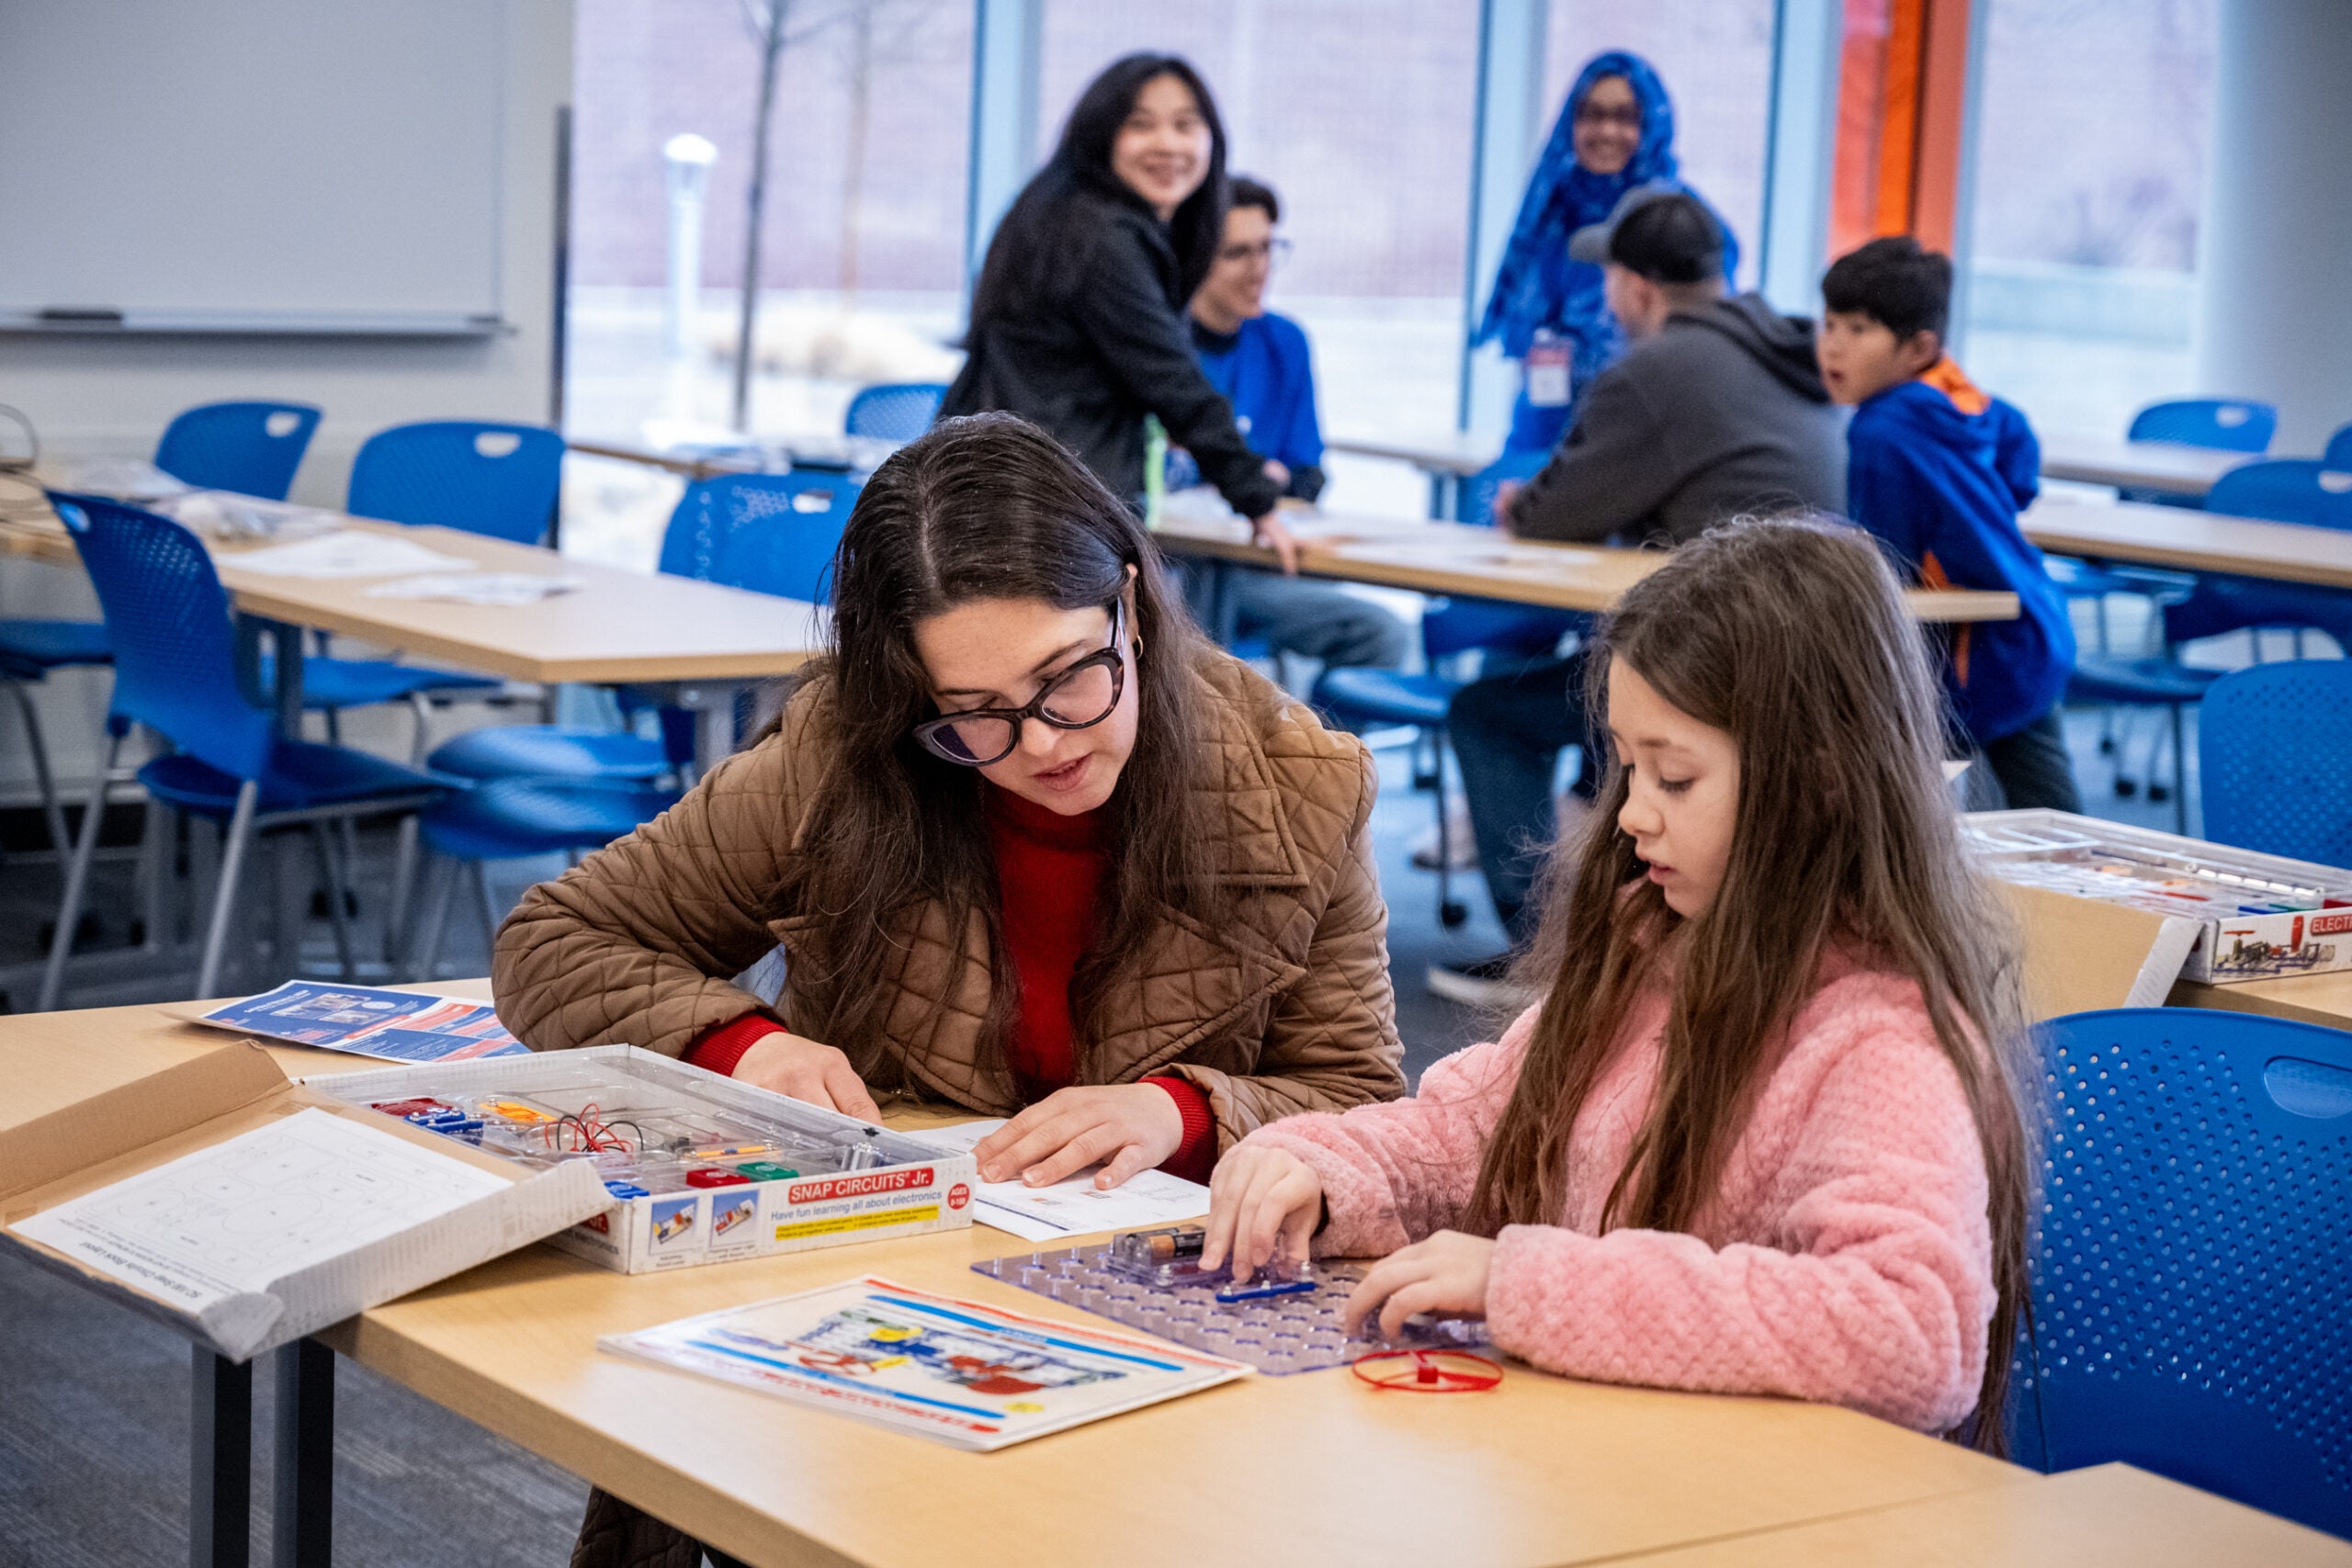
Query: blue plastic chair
[[2339, 449], [894, 410], [1362, 697], [509, 818], [251, 448], [175, 673], [2274, 750], [499, 480], [2191, 1270], [2286, 490], [2226, 424], [768, 533]]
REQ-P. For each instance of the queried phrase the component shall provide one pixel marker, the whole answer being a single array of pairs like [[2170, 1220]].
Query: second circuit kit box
[[700, 1168]]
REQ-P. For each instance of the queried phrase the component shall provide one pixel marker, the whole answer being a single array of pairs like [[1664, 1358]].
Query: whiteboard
[[254, 165]]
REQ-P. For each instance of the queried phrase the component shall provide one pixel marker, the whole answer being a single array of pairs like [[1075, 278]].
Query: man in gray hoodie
[[1718, 409]]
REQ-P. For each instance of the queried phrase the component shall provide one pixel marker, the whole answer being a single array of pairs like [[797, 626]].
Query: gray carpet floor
[[93, 1402]]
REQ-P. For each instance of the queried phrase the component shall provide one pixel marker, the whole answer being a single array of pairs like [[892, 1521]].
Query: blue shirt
[[1943, 485], [1264, 370]]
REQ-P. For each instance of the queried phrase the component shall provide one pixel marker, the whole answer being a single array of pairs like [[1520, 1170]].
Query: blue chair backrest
[[2286, 490], [174, 659], [1478, 490], [2191, 1275], [251, 448], [2274, 748], [894, 410], [770, 533], [2230, 424], [500, 480], [2339, 449]]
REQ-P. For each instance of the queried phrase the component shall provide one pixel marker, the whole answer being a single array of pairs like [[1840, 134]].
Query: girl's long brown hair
[[1790, 636], [985, 507]]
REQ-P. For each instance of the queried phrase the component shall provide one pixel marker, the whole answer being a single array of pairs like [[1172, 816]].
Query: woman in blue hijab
[[1615, 131]]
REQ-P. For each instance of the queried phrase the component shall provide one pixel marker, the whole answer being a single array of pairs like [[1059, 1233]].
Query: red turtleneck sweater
[[1049, 870]]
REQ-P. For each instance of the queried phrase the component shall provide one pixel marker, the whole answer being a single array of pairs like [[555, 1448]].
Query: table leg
[[713, 704], [219, 1516], [286, 645], [302, 1500]]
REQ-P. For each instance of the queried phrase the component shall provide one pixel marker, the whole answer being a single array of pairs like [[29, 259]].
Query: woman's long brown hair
[[1790, 636], [985, 507]]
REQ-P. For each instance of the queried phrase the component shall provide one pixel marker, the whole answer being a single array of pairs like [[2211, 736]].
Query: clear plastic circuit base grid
[[1284, 1321]]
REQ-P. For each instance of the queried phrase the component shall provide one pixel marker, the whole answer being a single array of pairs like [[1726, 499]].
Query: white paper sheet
[[495, 588], [1071, 1207], [352, 552], [230, 1219], [124, 479]]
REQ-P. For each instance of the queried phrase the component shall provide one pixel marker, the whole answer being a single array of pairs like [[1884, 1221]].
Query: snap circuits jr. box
[[701, 1168], [2256, 917]]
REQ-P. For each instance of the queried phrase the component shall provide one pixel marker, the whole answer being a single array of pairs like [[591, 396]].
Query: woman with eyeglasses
[[1029, 843], [1077, 319], [1615, 132]]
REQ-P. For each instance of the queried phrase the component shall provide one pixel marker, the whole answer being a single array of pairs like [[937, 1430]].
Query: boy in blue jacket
[[1937, 470]]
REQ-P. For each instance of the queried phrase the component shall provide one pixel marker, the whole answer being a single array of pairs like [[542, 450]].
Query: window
[[862, 244], [1358, 113], [1716, 58], [2094, 118]]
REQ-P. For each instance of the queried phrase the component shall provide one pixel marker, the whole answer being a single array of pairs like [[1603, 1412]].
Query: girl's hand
[[1124, 1128], [1272, 532], [1261, 1202], [806, 1070], [1447, 1273]]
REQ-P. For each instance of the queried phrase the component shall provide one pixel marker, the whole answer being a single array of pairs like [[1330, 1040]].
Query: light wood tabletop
[[619, 626], [2323, 999], [2191, 541], [1299, 1470], [1452, 557], [2171, 467], [2106, 1515]]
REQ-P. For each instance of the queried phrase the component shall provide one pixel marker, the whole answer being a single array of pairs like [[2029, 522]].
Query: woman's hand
[[1124, 1128], [1261, 1202], [806, 1070], [1447, 1273], [1506, 493], [1272, 532]]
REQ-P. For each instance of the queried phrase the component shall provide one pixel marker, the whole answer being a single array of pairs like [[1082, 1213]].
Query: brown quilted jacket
[[1288, 1010]]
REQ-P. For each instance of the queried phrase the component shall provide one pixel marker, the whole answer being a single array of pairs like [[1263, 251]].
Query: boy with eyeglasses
[[1260, 362]]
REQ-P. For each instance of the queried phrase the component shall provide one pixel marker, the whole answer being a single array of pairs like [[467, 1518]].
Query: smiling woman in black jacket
[[1078, 320]]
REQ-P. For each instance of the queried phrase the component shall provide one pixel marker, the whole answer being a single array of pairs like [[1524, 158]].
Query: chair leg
[[323, 850], [1450, 912], [77, 877], [42, 775], [442, 873], [423, 711], [397, 911], [235, 840], [2179, 773], [492, 917]]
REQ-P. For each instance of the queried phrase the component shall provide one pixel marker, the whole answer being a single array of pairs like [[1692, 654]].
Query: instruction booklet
[[958, 1371], [396, 1026]]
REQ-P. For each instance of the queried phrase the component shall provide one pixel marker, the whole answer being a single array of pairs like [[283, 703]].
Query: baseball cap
[[1664, 233]]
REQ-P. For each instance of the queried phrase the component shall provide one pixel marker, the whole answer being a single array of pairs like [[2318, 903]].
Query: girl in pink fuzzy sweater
[[1758, 1136]]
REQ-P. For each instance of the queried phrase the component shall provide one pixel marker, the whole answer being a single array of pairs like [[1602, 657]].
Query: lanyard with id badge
[[1547, 369]]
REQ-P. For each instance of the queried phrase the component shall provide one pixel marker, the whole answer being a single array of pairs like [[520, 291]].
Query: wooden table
[[2323, 999], [2107, 1515], [2183, 540], [1452, 557], [2171, 467], [701, 641], [1298, 1471]]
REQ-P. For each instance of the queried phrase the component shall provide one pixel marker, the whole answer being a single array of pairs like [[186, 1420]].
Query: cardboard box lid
[[2085, 954], [124, 1133]]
